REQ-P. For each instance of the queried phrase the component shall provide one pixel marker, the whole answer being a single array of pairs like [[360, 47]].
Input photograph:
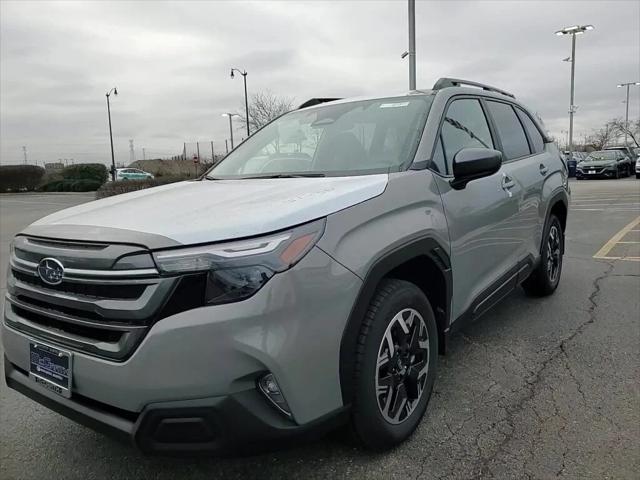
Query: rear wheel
[[396, 362], [545, 278]]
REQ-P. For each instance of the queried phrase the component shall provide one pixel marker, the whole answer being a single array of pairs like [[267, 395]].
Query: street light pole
[[573, 31], [113, 160], [246, 99], [626, 116], [412, 44], [230, 125]]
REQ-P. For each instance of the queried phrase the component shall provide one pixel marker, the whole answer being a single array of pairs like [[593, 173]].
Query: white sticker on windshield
[[394, 105]]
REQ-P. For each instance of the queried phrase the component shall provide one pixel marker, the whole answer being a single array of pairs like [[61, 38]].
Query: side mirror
[[473, 163]]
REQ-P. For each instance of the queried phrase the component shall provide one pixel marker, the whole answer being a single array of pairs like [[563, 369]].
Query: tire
[[543, 281], [637, 176], [378, 421]]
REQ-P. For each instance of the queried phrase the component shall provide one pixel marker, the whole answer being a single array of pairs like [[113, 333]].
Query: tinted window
[[438, 162], [464, 126], [537, 142], [514, 140]]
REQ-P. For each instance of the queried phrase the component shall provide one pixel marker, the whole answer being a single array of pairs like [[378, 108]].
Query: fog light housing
[[270, 389]]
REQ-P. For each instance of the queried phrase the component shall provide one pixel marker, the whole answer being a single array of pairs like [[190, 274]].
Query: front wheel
[[396, 362], [545, 278]]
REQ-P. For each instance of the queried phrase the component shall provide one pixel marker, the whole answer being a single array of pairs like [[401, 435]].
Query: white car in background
[[132, 174]]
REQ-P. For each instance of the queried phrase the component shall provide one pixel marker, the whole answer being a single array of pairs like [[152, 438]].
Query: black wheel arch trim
[[386, 262]]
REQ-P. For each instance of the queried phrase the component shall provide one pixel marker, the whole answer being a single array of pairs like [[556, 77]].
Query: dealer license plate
[[50, 367]]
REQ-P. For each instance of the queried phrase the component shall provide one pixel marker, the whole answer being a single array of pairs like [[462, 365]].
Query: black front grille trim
[[92, 333], [102, 291]]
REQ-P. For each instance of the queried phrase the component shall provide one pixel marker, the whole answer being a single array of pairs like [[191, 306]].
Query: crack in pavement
[[533, 382]]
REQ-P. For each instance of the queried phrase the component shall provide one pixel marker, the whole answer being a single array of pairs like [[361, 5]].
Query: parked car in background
[[604, 164], [628, 151], [637, 152], [132, 174]]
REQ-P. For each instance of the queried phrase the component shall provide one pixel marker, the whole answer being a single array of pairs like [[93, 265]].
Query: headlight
[[236, 270]]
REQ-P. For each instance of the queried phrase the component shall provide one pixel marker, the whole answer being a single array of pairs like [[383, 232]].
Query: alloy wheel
[[403, 363], [554, 256]]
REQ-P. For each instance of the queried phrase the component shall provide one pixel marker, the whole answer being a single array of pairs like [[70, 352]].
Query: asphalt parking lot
[[539, 388]]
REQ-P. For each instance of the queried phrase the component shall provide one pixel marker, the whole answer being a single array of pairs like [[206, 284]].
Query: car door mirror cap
[[473, 163]]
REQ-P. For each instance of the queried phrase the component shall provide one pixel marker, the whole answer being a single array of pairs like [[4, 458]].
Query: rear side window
[[464, 126], [514, 140], [537, 142]]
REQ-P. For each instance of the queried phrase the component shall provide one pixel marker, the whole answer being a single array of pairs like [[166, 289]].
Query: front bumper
[[292, 328], [598, 173], [238, 423]]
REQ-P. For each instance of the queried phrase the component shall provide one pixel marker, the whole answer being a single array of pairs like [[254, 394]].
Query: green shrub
[[124, 186], [86, 171], [71, 186], [17, 178]]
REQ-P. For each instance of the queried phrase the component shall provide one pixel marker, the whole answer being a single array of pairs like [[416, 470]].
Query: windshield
[[606, 155], [355, 138]]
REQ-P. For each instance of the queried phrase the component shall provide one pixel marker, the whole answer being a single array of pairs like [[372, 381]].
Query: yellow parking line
[[607, 247]]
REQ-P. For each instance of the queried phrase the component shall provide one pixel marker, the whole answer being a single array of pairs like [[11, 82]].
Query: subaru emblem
[[50, 271]]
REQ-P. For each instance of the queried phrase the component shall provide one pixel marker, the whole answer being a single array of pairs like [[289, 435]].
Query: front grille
[[98, 334], [111, 291], [97, 309]]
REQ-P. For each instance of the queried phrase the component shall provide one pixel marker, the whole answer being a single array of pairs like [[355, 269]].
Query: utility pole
[[226, 145], [230, 115], [626, 116], [132, 155], [213, 157], [246, 99], [113, 161], [412, 44], [24, 152], [573, 31]]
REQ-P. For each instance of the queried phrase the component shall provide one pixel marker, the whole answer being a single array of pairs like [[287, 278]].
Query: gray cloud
[[170, 62]]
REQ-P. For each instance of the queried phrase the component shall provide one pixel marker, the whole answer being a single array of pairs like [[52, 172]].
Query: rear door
[[483, 247]]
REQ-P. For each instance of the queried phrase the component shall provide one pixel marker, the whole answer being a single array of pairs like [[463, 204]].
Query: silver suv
[[309, 280]]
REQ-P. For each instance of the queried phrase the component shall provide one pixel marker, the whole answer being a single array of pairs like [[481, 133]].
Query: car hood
[[597, 163], [195, 212]]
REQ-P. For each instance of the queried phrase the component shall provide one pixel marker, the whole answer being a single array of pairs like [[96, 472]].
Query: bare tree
[[632, 130], [603, 136], [264, 107]]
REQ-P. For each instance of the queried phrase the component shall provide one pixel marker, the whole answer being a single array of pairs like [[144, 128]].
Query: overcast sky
[[170, 63]]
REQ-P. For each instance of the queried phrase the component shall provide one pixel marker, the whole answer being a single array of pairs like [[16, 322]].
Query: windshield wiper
[[287, 175]]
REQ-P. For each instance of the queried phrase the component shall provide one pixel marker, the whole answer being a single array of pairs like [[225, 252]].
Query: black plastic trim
[[494, 293], [93, 417], [395, 256]]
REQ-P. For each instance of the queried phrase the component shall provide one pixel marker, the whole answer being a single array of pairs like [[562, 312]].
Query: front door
[[482, 215]]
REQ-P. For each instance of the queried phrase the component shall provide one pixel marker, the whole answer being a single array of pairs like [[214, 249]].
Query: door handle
[[507, 184], [543, 169]]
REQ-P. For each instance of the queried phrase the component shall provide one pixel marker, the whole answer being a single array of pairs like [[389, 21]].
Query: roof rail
[[316, 101], [456, 82]]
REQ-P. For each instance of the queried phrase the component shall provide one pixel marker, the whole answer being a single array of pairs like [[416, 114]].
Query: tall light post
[[113, 160], [573, 31], [230, 115], [246, 99], [411, 53], [626, 116]]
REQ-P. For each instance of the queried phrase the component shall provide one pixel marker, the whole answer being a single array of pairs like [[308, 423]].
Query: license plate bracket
[[51, 368]]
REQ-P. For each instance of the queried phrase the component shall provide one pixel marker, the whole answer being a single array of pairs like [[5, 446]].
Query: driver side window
[[464, 126]]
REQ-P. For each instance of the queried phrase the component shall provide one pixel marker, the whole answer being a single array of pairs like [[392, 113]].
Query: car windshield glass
[[608, 155], [355, 138]]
